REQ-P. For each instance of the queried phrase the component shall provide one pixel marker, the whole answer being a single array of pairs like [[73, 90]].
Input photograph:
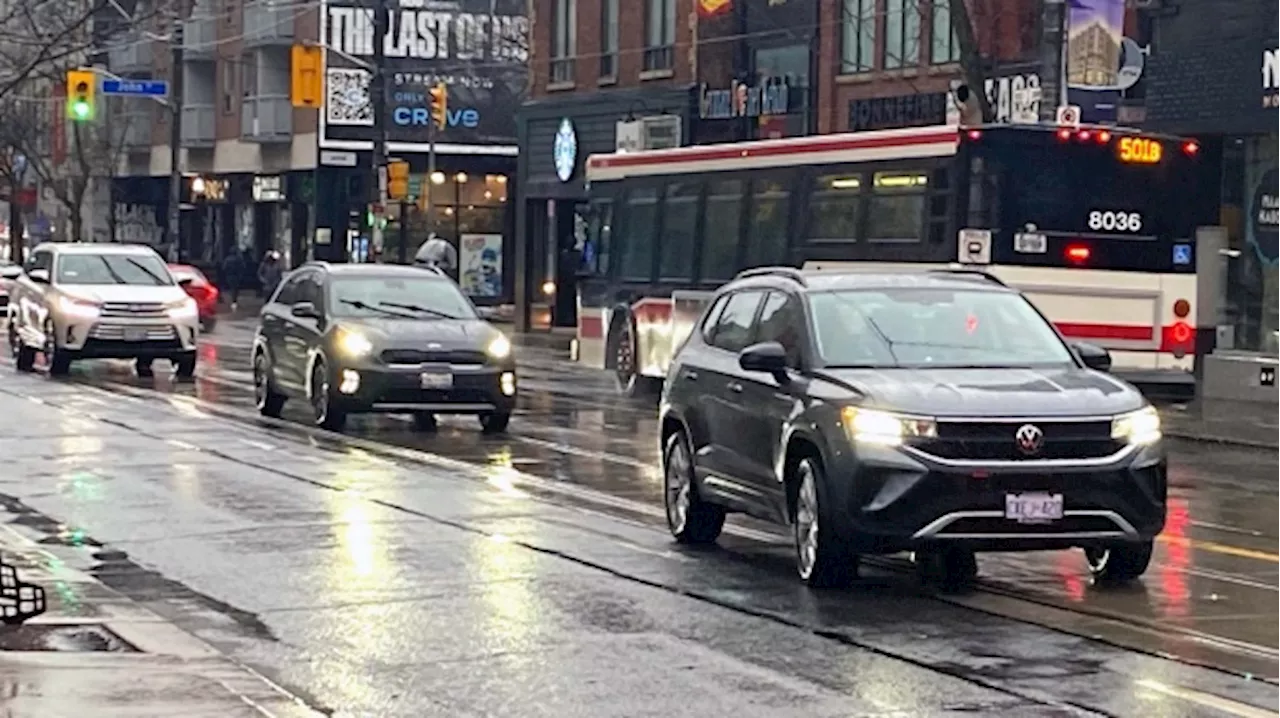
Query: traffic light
[[306, 76], [440, 105], [397, 179], [82, 86]]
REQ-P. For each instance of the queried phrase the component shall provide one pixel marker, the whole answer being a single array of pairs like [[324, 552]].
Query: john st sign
[[479, 49]]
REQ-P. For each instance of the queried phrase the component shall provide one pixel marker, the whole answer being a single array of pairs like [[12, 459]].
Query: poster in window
[[480, 264]]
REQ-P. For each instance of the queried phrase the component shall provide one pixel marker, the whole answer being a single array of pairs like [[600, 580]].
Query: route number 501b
[[1115, 221]]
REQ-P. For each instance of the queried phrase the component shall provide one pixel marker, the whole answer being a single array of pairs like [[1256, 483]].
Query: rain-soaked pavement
[[394, 573]]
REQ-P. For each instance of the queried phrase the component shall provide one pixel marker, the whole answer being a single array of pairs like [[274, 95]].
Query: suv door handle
[[691, 375], [734, 387]]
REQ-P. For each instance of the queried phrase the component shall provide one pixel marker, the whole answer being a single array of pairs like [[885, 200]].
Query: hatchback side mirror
[[768, 357], [1093, 356], [39, 276], [305, 310]]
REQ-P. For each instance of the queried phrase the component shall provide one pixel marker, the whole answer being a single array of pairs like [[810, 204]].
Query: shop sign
[[268, 188], [882, 113], [743, 100], [564, 150], [714, 8], [1270, 78], [1265, 218], [209, 189], [479, 50]]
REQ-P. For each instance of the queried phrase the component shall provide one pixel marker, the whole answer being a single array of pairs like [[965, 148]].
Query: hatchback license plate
[[135, 335], [436, 380], [1033, 508]]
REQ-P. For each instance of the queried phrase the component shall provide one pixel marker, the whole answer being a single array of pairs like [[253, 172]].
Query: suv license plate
[[135, 335], [436, 380], [1033, 508]]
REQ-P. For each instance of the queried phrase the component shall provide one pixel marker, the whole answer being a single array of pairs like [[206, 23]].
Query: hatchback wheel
[[1119, 563], [269, 401], [690, 519], [822, 556], [323, 413]]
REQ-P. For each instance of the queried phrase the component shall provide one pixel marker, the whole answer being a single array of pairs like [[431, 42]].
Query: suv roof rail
[[973, 273], [791, 273]]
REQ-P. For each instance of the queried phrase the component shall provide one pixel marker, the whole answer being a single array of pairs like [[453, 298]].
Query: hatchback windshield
[[424, 298], [913, 327], [112, 269]]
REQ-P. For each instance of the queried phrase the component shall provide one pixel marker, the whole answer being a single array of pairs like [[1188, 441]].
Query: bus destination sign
[[1139, 150]]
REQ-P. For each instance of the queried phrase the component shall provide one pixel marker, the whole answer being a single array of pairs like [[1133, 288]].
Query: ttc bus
[[1095, 225]]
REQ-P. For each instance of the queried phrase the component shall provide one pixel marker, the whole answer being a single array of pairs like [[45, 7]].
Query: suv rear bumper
[[899, 500]]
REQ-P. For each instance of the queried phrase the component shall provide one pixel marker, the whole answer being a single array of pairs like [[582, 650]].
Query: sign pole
[[378, 100], [431, 171], [1053, 45], [175, 142]]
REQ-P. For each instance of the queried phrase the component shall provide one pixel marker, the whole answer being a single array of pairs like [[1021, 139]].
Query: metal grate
[[133, 310], [133, 332]]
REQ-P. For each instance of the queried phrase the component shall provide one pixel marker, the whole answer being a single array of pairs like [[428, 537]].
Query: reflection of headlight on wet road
[[499, 348], [354, 344]]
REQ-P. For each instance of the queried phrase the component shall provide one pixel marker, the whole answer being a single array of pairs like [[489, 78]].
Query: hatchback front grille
[[421, 356]]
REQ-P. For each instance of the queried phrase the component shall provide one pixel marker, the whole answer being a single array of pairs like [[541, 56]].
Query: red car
[[201, 290]]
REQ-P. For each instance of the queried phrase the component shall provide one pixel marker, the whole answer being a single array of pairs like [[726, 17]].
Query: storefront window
[[1249, 214], [460, 204]]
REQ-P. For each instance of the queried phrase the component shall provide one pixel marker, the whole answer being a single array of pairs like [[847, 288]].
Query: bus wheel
[[630, 381]]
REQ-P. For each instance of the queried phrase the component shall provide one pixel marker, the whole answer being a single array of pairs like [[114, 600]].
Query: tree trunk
[[971, 65]]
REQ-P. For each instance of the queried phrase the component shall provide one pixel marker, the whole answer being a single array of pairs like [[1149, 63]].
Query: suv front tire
[[690, 519]]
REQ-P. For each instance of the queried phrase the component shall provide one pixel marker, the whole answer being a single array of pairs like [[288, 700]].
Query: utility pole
[[378, 100], [431, 172], [1053, 42], [175, 138]]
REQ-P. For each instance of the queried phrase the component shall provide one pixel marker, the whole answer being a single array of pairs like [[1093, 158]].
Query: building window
[[858, 28], [901, 34], [660, 34], [609, 39], [564, 40], [945, 47]]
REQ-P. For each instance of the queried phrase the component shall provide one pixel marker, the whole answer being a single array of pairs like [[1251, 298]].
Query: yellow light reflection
[[507, 591], [187, 481], [501, 473], [360, 541]]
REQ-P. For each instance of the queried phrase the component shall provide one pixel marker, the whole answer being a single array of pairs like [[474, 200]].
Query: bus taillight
[[1084, 135], [1181, 308], [975, 135], [1064, 134], [1078, 253], [1191, 147], [1104, 137]]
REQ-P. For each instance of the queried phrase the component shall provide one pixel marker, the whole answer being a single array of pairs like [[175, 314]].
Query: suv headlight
[[181, 307], [354, 344], [872, 426], [79, 307], [499, 348], [1139, 427]]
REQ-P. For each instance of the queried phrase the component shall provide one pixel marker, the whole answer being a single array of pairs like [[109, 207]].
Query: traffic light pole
[[175, 140], [378, 102]]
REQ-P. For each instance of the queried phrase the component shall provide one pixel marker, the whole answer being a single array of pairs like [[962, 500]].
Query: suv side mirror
[[10, 271], [1093, 356], [769, 357], [39, 276], [305, 310]]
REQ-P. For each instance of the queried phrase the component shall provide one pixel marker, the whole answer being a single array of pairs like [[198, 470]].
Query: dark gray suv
[[935, 411]]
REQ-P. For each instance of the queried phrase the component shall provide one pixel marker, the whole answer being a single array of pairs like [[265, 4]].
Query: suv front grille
[[995, 441], [133, 310]]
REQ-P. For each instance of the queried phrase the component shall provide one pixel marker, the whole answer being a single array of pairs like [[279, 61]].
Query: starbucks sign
[[1264, 216]]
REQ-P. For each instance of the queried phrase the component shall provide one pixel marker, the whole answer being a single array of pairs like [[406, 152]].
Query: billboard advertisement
[[479, 49], [1103, 64]]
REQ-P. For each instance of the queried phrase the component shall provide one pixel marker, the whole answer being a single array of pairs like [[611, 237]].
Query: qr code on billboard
[[347, 97]]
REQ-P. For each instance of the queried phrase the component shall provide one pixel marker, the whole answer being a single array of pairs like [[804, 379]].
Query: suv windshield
[[425, 298], [112, 269], [928, 327]]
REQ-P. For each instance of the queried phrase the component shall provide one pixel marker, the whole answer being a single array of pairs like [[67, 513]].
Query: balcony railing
[[130, 53], [268, 22], [198, 125], [199, 36], [266, 118]]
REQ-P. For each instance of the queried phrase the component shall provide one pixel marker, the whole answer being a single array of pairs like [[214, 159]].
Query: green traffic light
[[80, 109]]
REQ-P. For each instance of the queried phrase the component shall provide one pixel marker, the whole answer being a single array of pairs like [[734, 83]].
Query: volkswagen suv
[[936, 412], [98, 301]]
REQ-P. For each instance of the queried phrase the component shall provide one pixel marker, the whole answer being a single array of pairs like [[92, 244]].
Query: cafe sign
[[743, 100]]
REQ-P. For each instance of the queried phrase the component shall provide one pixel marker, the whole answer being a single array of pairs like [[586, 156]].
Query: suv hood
[[123, 292], [391, 333], [992, 392]]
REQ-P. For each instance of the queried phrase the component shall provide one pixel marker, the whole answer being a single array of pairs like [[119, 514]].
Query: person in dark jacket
[[233, 271], [269, 273]]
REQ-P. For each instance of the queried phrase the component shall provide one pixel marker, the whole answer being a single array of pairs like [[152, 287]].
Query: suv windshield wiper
[[361, 305], [111, 270], [416, 308], [154, 277]]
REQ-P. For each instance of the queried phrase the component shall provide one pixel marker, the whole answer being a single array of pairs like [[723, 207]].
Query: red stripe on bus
[[1125, 332], [590, 327], [738, 152]]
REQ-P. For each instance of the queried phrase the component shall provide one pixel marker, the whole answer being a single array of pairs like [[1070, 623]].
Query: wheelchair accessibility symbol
[[1182, 254]]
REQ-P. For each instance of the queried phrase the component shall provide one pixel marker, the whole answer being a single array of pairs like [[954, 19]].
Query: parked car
[[936, 412], [8, 273], [199, 288], [359, 338], [97, 301]]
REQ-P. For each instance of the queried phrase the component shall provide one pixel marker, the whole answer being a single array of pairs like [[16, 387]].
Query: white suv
[[100, 301]]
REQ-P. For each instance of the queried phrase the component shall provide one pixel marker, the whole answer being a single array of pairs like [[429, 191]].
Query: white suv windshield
[[928, 327], [112, 269]]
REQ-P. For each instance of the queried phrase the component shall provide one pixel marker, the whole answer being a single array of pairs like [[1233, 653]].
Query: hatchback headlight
[[499, 348], [872, 426], [354, 344], [1139, 427]]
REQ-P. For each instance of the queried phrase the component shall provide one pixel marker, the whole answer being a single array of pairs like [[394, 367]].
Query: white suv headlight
[[872, 426], [184, 307], [1139, 427], [71, 306]]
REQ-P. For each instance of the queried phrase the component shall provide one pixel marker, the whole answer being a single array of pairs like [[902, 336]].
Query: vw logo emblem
[[1029, 438]]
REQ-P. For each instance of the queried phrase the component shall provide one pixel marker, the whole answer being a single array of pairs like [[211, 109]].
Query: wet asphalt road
[[376, 584]]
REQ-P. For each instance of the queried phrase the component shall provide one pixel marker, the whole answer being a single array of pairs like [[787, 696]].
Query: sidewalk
[[1243, 429], [97, 653]]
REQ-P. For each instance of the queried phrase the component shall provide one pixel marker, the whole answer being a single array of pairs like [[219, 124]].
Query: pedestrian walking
[[270, 273], [233, 271]]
